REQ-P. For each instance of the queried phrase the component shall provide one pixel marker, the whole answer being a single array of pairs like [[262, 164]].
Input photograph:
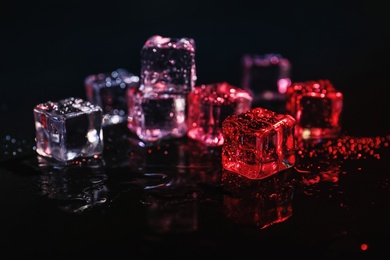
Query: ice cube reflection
[[261, 203], [173, 212], [77, 188]]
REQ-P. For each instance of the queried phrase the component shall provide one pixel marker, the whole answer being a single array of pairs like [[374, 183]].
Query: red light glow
[[364, 247]]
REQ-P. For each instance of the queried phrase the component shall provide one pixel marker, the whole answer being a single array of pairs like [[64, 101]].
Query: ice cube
[[317, 106], [68, 129], [168, 65], [209, 105], [158, 109], [258, 143], [266, 76], [109, 91]]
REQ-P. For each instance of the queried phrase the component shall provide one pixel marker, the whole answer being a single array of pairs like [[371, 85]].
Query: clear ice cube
[[258, 143], [168, 65], [157, 116], [267, 76], [158, 108], [68, 129], [109, 91], [209, 105], [317, 107]]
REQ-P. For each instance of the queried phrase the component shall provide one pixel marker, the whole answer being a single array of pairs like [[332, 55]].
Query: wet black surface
[[174, 201]]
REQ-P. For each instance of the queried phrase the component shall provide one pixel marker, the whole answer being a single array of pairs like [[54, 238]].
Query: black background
[[47, 48]]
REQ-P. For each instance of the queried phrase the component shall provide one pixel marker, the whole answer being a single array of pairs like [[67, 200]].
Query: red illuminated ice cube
[[317, 107], [258, 143], [209, 105]]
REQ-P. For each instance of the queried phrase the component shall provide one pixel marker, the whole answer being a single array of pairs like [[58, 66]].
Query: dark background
[[47, 48]]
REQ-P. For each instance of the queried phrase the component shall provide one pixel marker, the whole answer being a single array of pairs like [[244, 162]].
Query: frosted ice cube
[[68, 129], [258, 143]]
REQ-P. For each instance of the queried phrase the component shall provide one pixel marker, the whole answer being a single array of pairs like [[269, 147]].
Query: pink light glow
[[283, 84]]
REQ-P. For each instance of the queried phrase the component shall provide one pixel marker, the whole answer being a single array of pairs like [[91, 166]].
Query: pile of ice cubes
[[165, 102]]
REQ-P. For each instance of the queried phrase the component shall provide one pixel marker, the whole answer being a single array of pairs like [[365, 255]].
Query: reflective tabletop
[[173, 199]]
